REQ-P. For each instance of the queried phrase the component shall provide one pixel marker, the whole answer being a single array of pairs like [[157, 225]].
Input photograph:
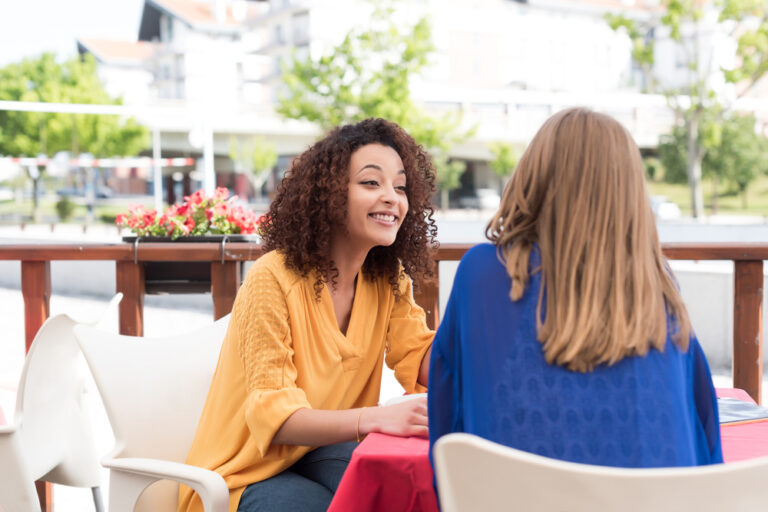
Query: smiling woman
[[300, 368]]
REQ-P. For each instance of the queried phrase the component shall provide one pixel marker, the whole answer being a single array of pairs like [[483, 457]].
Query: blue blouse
[[488, 377]]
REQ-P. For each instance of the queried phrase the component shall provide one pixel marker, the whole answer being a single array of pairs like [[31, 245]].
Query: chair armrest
[[209, 485]]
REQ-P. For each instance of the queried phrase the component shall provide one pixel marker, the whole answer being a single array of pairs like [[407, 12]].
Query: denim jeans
[[308, 485]]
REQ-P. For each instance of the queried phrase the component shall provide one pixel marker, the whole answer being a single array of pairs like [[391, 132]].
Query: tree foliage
[[734, 153], [368, 75], [44, 79], [255, 158], [688, 23], [505, 157]]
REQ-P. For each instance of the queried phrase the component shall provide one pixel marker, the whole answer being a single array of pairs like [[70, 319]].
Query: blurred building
[[211, 69]]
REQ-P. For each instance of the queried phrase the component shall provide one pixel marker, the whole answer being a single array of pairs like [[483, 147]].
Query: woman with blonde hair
[[567, 336]]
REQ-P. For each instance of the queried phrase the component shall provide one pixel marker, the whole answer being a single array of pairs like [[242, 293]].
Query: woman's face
[[376, 202]]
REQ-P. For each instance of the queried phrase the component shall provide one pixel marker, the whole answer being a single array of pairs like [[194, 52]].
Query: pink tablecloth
[[389, 473], [744, 441]]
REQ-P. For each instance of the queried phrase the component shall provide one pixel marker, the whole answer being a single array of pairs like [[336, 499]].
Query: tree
[[368, 75], [43, 79], [448, 175], [687, 23], [255, 158], [739, 157], [733, 153], [505, 157]]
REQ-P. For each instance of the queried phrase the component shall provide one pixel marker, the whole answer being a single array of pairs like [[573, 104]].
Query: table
[[745, 441], [390, 473]]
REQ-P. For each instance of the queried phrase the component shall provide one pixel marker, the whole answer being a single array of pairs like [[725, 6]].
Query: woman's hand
[[408, 418]]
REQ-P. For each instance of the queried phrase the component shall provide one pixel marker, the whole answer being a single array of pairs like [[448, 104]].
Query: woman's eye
[[402, 188], [372, 183]]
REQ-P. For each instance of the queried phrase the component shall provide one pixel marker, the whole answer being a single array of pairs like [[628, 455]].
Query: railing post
[[748, 327], [36, 290], [130, 282], [427, 295], [225, 281]]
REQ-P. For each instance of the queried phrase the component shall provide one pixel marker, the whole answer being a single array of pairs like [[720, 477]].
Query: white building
[[504, 65]]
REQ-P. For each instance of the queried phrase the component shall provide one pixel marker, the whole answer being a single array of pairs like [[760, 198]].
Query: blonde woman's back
[[489, 377]]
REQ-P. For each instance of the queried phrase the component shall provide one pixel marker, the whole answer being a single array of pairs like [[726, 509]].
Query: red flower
[[218, 213]]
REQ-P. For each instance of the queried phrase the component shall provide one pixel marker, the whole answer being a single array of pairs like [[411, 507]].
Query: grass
[[729, 202]]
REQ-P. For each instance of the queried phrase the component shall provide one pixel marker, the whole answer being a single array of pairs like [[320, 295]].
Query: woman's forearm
[[313, 427], [310, 427]]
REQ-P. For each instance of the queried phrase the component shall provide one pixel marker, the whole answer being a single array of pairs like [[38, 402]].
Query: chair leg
[[98, 502]]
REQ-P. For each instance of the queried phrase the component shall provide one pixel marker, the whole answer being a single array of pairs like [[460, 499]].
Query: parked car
[[664, 209], [482, 199], [101, 192]]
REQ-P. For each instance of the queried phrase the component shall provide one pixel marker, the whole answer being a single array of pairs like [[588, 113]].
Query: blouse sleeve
[[444, 399], [706, 404], [266, 351], [408, 339]]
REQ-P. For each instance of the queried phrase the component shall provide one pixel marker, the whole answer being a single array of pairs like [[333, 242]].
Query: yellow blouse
[[284, 351]]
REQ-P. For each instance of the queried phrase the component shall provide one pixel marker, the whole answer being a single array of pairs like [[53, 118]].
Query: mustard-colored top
[[283, 351]]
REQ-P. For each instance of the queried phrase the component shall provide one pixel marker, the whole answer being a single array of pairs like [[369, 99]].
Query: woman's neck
[[348, 262]]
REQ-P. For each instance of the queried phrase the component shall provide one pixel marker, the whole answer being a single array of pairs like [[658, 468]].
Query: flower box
[[201, 218]]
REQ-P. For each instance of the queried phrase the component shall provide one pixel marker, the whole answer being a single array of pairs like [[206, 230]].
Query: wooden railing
[[225, 263]]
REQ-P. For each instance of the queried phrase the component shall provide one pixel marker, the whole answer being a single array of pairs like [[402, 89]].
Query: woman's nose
[[389, 195]]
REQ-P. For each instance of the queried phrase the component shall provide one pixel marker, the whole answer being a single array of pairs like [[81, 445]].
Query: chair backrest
[[153, 389], [51, 437], [54, 429], [477, 474]]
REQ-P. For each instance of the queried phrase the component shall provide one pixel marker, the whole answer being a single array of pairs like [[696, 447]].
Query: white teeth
[[383, 217]]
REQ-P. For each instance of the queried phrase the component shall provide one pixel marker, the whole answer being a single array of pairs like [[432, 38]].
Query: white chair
[[153, 391], [477, 474], [50, 438]]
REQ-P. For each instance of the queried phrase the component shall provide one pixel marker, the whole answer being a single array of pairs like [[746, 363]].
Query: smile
[[383, 217]]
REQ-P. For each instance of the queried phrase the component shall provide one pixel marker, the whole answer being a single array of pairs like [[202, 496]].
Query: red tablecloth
[[389, 473]]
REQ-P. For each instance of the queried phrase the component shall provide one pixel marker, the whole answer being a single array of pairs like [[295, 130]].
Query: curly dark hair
[[311, 203]]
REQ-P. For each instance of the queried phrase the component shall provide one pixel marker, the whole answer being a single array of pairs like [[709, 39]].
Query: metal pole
[[157, 169], [209, 176]]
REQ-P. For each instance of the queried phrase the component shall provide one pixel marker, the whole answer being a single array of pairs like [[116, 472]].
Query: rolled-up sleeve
[[408, 339], [266, 352]]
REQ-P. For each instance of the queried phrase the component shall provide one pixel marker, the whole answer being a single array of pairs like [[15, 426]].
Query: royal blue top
[[488, 377]]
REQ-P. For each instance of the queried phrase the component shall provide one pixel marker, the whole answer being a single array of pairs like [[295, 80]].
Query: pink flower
[[196, 198], [220, 194], [198, 214]]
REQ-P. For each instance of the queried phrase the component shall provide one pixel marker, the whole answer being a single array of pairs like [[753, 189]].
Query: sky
[[30, 27]]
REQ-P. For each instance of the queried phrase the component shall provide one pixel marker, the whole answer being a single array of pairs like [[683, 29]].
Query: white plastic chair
[[153, 391], [477, 474], [50, 438]]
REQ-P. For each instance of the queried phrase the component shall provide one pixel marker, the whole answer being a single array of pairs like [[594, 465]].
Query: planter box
[[165, 277]]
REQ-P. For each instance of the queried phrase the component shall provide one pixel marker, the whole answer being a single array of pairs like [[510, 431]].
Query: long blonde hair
[[579, 193]]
